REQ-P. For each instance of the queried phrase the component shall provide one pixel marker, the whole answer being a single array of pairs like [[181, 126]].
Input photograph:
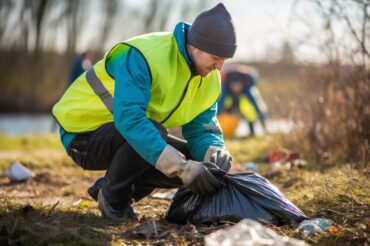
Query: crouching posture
[[115, 115]]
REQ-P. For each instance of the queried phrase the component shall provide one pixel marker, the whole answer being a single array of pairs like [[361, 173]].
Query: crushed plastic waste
[[147, 228], [18, 172], [163, 195], [251, 233], [251, 166], [316, 225]]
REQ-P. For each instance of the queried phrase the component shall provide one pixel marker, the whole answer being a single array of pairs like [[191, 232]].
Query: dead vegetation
[[53, 207]]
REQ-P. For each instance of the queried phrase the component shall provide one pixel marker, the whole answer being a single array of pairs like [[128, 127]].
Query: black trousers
[[128, 175]]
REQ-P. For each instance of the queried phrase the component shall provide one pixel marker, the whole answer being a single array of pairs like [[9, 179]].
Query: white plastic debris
[[313, 226], [18, 172], [147, 228], [250, 233], [163, 195]]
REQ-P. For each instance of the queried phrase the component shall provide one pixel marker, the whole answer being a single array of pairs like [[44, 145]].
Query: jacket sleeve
[[254, 96], [131, 99], [202, 132], [221, 100], [248, 92]]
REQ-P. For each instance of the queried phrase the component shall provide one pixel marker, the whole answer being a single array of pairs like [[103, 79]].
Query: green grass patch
[[339, 193], [30, 142], [33, 151], [249, 149], [37, 160]]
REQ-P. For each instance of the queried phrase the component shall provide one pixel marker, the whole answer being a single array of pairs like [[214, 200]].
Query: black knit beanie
[[213, 32]]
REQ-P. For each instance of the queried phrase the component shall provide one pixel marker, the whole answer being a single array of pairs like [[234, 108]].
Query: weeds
[[53, 208], [335, 119]]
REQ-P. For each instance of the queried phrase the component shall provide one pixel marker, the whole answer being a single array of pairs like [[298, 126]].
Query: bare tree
[[110, 12], [287, 53], [157, 15], [190, 8], [5, 10], [32, 32], [39, 13], [339, 119]]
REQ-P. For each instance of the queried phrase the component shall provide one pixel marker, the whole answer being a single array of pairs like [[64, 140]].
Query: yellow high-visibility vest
[[176, 96]]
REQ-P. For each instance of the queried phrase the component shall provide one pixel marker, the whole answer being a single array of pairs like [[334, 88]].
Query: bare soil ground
[[53, 208]]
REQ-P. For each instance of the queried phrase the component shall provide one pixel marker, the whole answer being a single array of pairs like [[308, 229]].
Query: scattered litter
[[148, 229], [18, 172], [281, 164], [251, 233], [282, 159], [276, 165], [283, 155], [298, 163], [251, 166], [332, 229], [163, 195], [313, 226], [81, 203]]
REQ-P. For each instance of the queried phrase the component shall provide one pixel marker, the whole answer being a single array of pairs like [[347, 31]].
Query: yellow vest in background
[[246, 108]]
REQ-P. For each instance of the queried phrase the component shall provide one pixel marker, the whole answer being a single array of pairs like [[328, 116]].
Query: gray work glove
[[199, 179], [219, 156], [193, 174]]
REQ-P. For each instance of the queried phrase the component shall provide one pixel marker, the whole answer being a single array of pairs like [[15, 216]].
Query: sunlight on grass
[[249, 149], [50, 217], [51, 223], [30, 142], [339, 194]]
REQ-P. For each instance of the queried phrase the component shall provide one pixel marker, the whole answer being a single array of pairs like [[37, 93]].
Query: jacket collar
[[180, 33]]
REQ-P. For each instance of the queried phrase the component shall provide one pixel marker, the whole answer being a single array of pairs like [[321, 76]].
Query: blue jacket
[[132, 93], [77, 69], [250, 81]]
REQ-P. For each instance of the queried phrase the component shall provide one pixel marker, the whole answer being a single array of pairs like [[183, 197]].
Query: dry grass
[[335, 119], [54, 209]]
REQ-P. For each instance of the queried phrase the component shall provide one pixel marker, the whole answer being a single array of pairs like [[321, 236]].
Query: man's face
[[204, 62]]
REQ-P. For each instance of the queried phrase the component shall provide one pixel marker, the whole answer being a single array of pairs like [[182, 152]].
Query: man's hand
[[194, 175], [222, 158], [199, 179]]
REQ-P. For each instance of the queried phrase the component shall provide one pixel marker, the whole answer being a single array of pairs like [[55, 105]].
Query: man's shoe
[[107, 211], [93, 190]]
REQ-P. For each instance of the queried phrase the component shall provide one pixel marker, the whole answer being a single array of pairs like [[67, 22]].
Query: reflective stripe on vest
[[176, 97], [99, 89]]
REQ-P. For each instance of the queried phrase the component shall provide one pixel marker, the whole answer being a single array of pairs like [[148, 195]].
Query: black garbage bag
[[243, 195]]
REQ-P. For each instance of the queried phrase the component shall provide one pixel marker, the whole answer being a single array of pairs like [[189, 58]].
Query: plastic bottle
[[314, 225], [251, 233]]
